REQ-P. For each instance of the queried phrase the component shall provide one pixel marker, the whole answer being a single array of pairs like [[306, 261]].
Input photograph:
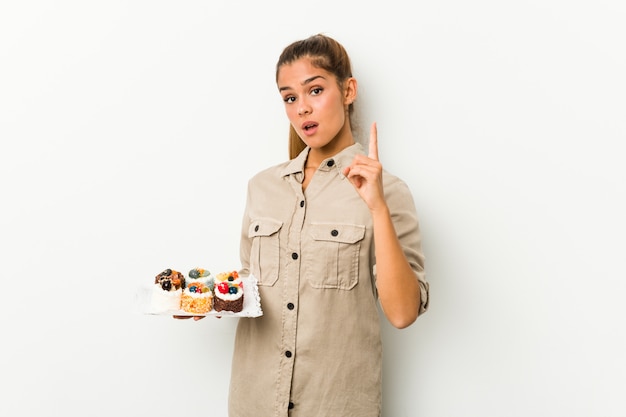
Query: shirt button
[[302, 203], [290, 406], [334, 232], [288, 354], [256, 228], [294, 256], [290, 306], [330, 163]]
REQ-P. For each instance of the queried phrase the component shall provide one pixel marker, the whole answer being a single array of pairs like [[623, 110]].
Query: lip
[[309, 127]]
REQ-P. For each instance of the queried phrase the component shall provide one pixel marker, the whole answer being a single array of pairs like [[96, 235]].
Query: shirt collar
[[339, 161]]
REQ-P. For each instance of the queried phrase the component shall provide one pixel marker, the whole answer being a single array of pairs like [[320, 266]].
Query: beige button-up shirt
[[316, 351]]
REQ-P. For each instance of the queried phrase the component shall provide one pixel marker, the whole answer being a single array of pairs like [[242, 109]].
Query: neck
[[317, 155]]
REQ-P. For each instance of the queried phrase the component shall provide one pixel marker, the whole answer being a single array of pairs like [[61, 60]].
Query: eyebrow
[[305, 82]]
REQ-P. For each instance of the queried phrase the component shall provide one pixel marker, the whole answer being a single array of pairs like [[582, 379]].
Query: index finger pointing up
[[373, 151]]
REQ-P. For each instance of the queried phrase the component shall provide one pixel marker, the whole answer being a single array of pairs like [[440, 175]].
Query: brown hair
[[325, 53]]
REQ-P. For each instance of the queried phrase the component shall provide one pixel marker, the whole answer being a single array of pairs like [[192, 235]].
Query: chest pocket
[[333, 261], [265, 250]]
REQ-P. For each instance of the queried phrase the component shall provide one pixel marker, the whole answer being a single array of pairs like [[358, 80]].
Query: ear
[[350, 90]]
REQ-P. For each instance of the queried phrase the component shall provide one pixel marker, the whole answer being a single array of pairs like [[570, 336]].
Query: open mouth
[[309, 126]]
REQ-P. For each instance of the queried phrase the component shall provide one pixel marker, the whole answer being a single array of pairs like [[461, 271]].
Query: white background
[[130, 128]]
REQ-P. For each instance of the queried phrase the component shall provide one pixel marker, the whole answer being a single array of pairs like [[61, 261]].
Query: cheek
[[334, 106], [291, 112], [339, 113]]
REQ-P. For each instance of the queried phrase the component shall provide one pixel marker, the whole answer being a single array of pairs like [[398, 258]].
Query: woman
[[328, 234]]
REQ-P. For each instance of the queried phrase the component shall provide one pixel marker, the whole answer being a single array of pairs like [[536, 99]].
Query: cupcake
[[197, 297], [228, 291]]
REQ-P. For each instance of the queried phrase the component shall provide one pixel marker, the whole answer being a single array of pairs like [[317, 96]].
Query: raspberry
[[223, 287]]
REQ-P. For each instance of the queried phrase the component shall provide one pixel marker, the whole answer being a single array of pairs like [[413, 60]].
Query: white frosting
[[223, 277], [198, 295], [165, 300], [236, 281], [229, 296], [204, 282]]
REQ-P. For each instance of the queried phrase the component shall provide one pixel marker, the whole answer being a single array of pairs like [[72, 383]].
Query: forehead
[[299, 71]]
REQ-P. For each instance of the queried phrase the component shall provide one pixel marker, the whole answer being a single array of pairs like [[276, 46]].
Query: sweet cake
[[228, 292], [167, 291], [197, 297]]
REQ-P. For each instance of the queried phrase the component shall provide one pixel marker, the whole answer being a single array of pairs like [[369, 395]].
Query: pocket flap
[[264, 227], [341, 233]]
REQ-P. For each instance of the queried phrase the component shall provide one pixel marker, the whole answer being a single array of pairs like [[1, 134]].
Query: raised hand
[[365, 173]]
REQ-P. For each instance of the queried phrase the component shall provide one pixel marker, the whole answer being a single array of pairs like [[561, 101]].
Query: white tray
[[251, 302]]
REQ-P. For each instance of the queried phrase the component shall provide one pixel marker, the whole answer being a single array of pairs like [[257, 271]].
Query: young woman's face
[[315, 105]]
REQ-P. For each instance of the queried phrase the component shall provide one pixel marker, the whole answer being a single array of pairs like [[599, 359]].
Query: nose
[[303, 109]]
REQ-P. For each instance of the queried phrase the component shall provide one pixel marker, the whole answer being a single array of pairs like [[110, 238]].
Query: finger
[[373, 151]]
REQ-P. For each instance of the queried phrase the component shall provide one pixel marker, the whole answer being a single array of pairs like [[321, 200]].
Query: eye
[[289, 99], [316, 91]]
